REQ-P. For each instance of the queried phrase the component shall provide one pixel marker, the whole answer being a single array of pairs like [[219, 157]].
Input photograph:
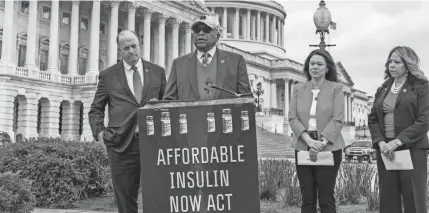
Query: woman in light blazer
[[399, 120], [316, 115]]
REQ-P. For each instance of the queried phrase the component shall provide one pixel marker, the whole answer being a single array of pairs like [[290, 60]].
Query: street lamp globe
[[322, 18]]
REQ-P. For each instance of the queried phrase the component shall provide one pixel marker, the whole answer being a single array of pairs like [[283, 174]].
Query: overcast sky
[[366, 32]]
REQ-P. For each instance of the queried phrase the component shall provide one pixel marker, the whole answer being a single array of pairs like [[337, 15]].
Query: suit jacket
[[113, 90], [231, 74], [329, 113], [411, 114]]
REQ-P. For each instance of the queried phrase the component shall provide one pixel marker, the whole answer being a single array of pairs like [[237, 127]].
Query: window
[[46, 13], [22, 55], [43, 55], [83, 23], [119, 30], [1, 3], [82, 66], [102, 29], [0, 47], [66, 18], [25, 5], [64, 60]]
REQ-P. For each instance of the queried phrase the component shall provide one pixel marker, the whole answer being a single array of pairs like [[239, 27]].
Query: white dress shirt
[[212, 51], [129, 74], [312, 121]]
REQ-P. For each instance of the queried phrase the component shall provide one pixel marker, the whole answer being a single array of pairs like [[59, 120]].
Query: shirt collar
[[212, 51], [128, 67]]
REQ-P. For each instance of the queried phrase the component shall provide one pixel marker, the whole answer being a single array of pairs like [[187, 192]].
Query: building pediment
[[343, 76]]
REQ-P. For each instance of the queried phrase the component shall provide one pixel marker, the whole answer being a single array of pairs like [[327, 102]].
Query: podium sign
[[199, 156]]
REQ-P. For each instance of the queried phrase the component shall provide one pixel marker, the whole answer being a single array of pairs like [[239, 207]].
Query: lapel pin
[[405, 90], [222, 61], [146, 70]]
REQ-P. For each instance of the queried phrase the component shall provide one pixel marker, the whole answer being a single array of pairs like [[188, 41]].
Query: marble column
[[248, 25], [147, 15], [161, 46], [254, 28], [273, 30], [94, 39], [237, 23], [175, 30], [131, 16], [258, 26], [113, 33], [286, 97], [29, 115], [267, 28], [31, 37], [86, 128], [49, 118], [6, 109], [225, 22], [8, 30], [273, 94], [53, 37], [74, 39], [188, 38], [278, 31]]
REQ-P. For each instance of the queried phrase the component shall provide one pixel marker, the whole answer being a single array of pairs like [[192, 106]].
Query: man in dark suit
[[192, 75], [125, 87]]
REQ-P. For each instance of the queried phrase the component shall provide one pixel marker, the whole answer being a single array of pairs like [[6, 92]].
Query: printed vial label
[[183, 124], [150, 125], [165, 124], [211, 123], [244, 122]]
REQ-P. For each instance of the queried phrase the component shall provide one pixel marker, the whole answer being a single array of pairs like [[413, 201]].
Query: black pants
[[125, 170], [411, 184], [318, 182]]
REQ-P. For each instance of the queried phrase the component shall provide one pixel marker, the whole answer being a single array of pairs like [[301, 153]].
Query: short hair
[[120, 34], [331, 74]]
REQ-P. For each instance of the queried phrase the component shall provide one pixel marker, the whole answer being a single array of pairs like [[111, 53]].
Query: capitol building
[[52, 52]]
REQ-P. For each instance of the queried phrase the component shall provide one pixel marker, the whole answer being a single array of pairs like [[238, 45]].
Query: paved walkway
[[37, 210]]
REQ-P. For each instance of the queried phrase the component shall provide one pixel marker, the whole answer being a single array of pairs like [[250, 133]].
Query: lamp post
[[364, 132], [322, 20], [258, 92]]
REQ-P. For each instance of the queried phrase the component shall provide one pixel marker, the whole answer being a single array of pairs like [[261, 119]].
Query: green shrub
[[353, 182], [373, 197], [274, 175], [61, 172], [15, 194]]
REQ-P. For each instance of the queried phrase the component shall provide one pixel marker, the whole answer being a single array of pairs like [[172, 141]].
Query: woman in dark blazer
[[316, 114], [399, 120]]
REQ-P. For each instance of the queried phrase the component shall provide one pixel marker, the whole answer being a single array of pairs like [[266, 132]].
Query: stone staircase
[[273, 145]]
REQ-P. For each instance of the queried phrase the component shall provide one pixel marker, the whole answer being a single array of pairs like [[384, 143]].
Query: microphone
[[231, 92]]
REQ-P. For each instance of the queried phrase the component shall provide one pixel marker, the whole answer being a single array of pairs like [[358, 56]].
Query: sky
[[366, 31]]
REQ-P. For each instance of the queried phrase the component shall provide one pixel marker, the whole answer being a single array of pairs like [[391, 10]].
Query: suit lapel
[[402, 92], [222, 70], [146, 78], [191, 70], [120, 73]]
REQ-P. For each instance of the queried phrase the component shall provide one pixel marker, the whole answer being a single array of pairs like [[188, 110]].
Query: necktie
[[205, 58], [137, 83]]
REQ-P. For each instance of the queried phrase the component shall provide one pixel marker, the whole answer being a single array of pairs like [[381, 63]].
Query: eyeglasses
[[205, 30]]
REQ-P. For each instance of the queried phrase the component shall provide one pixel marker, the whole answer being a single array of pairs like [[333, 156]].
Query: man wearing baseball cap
[[192, 75]]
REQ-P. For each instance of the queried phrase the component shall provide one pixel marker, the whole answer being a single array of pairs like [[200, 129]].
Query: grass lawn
[[105, 204]]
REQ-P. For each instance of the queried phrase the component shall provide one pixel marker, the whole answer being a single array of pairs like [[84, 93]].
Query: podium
[[199, 156]]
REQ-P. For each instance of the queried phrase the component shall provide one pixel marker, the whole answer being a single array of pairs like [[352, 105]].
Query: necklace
[[395, 89]]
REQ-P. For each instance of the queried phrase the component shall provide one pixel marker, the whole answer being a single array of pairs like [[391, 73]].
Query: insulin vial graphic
[[211, 122], [165, 124], [244, 120], [150, 125], [227, 120], [183, 124]]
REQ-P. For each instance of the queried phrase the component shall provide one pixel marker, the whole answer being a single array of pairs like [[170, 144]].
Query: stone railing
[[283, 63], [47, 75], [288, 63], [21, 71]]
